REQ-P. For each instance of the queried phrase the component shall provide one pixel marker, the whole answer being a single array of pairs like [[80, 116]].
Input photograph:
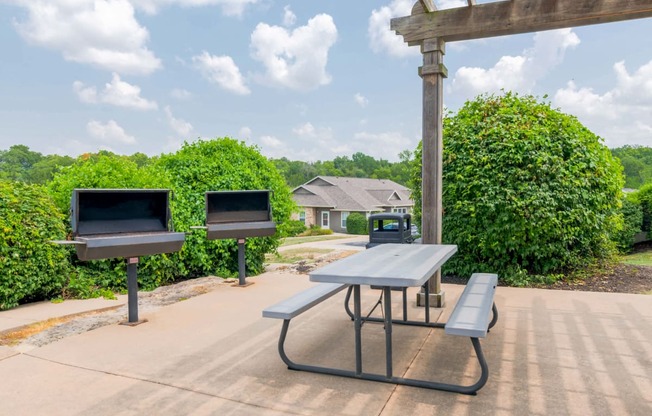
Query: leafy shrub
[[316, 230], [644, 197], [294, 228], [356, 223], [107, 170], [632, 219], [31, 268], [528, 192], [221, 165]]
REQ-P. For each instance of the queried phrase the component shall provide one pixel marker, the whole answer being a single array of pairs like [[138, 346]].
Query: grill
[[129, 223], [239, 215], [111, 223]]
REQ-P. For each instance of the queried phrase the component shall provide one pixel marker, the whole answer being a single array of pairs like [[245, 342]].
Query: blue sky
[[303, 79]]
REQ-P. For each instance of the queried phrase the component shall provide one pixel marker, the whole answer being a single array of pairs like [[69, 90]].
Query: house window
[[345, 214], [400, 210], [302, 217]]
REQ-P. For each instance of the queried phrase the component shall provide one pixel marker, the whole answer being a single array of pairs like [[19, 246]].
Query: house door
[[325, 219]]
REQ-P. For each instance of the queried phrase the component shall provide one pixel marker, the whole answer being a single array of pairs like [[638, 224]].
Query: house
[[328, 200]]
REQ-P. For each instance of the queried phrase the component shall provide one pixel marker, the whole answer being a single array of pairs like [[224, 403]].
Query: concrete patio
[[551, 353]]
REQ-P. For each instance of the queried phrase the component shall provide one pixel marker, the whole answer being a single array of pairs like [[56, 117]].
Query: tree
[[16, 162], [528, 192], [43, 171], [637, 164]]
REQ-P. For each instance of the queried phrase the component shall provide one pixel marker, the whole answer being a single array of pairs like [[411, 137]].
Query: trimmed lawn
[[311, 239], [297, 254], [638, 259]]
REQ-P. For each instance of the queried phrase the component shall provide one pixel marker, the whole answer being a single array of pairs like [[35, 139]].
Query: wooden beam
[[471, 2], [428, 5], [515, 16]]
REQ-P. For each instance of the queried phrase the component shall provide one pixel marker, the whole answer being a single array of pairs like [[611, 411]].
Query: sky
[[306, 80]]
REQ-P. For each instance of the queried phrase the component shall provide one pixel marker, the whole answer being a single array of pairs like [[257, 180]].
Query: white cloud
[[306, 130], [517, 73], [181, 94], [271, 141], [451, 4], [296, 59], [361, 100], [181, 127], [289, 18], [384, 40], [101, 33], [229, 7], [221, 70], [109, 132], [117, 92], [85, 94], [621, 115], [244, 132]]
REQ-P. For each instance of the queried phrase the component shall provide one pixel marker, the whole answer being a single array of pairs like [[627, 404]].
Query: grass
[[297, 254], [638, 259], [289, 241]]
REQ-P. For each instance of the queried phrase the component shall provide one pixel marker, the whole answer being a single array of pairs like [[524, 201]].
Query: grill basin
[[110, 223], [238, 214]]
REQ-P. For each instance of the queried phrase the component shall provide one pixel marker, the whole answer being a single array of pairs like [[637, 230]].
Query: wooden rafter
[[514, 16], [428, 5]]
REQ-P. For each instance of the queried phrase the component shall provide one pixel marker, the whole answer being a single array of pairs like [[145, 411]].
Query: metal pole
[[387, 293], [358, 329], [132, 288], [241, 262]]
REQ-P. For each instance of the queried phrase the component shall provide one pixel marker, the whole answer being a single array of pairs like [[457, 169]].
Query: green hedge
[[632, 219], [31, 268], [222, 164], [356, 223], [528, 192], [644, 197]]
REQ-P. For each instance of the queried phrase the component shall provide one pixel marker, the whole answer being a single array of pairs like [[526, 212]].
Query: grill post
[[241, 263], [132, 292]]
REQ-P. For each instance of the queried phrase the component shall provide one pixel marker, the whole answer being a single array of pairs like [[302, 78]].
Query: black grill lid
[[115, 211]]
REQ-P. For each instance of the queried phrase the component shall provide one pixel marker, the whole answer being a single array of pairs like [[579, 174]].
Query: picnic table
[[388, 267]]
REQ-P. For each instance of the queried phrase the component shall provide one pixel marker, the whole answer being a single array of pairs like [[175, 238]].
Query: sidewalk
[[551, 352]]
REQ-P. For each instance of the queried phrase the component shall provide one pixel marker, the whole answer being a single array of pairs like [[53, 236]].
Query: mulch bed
[[622, 278]]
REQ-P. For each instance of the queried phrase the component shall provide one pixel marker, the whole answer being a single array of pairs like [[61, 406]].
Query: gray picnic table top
[[396, 265]]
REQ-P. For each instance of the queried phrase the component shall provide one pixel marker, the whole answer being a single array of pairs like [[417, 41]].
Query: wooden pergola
[[430, 29]]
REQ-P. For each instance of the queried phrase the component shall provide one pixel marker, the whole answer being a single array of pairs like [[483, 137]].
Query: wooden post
[[433, 73]]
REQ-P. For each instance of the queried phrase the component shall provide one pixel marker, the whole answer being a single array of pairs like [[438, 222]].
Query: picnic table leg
[[358, 329], [388, 329], [494, 318]]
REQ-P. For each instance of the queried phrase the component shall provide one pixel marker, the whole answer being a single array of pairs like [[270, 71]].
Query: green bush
[[528, 192], [107, 170], [356, 223], [294, 228], [31, 268], [316, 230], [644, 197], [221, 165], [632, 219]]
